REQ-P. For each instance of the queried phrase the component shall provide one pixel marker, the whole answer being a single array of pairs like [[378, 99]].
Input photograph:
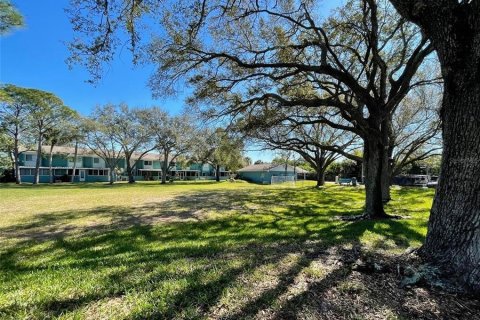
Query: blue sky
[[35, 55]]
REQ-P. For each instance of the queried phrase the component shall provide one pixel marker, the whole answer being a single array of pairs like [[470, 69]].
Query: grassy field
[[203, 251]]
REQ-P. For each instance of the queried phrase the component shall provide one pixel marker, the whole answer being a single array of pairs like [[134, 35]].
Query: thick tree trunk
[[320, 167], [217, 173], [373, 160], [75, 155], [386, 178], [320, 177], [38, 161], [165, 167], [387, 141], [453, 238], [131, 178]]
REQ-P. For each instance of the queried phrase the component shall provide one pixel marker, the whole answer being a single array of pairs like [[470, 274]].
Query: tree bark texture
[[320, 177], [217, 173], [453, 237], [131, 178], [373, 155], [387, 141], [387, 175], [165, 167]]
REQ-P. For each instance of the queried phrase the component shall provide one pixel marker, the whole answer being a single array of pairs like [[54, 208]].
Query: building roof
[[271, 167], [70, 151]]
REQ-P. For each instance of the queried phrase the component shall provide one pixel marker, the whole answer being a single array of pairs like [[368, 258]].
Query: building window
[[26, 172], [98, 172], [70, 171], [147, 162], [60, 172], [29, 157], [96, 160]]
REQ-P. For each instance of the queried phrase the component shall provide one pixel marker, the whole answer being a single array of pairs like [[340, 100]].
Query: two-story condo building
[[92, 168]]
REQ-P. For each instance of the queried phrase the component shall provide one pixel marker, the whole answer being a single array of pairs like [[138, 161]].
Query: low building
[[92, 168], [263, 173]]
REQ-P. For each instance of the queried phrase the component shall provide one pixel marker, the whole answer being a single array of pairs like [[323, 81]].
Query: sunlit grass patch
[[193, 250]]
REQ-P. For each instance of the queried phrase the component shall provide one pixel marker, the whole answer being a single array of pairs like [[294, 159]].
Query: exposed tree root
[[410, 271]]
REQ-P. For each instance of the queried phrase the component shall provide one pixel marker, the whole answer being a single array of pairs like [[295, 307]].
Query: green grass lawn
[[194, 250]]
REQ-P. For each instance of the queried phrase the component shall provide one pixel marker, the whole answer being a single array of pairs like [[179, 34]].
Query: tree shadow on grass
[[283, 210], [182, 262]]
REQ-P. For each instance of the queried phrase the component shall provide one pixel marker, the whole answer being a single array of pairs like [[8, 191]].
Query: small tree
[[129, 129], [101, 140], [173, 136], [15, 107], [78, 133], [46, 112], [218, 148], [318, 144], [63, 132], [6, 155]]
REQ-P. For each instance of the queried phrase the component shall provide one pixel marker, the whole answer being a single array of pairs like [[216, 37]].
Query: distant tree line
[[31, 119]]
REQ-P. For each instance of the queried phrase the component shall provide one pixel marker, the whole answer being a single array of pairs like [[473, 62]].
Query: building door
[[82, 175]]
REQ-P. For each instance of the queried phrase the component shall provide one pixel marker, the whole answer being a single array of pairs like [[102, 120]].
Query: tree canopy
[[10, 17]]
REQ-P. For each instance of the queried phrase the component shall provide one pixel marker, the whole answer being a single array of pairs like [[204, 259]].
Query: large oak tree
[[453, 238], [241, 55], [318, 144]]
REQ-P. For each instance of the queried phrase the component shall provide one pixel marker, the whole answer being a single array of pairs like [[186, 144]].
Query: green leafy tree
[[63, 132], [219, 149], [6, 147], [10, 17], [130, 131], [241, 56], [78, 133], [46, 114], [15, 107], [318, 144], [173, 137], [101, 139]]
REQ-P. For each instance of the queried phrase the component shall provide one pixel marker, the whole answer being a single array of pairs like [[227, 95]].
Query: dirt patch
[[339, 283]]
